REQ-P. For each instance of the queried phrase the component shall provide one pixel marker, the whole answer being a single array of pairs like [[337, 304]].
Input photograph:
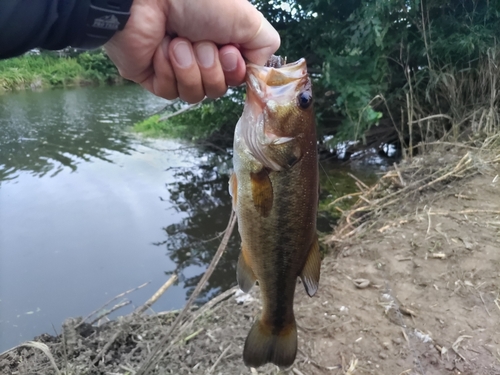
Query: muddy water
[[89, 210]]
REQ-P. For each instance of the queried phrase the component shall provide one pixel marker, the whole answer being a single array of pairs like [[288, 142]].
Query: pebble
[[383, 355]]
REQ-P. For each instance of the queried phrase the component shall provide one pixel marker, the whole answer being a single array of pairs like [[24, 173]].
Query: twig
[[344, 197], [218, 360], [193, 335], [359, 181], [465, 160], [106, 347], [113, 309], [157, 295], [399, 174], [484, 303], [429, 218], [431, 117], [157, 353], [182, 110], [111, 300], [465, 212]]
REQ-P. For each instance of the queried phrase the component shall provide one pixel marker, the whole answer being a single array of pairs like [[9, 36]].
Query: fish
[[274, 189]]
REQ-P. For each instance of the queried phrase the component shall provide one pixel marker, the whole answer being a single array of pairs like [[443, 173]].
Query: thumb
[[261, 46]]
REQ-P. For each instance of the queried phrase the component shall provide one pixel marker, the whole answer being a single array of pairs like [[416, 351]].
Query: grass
[[211, 121], [47, 70]]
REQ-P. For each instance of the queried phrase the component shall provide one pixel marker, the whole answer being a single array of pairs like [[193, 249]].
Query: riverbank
[[410, 286], [45, 70]]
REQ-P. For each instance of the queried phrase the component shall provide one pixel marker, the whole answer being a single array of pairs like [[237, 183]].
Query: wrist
[[104, 19]]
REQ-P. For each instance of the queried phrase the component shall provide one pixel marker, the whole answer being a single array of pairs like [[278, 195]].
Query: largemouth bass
[[275, 196]]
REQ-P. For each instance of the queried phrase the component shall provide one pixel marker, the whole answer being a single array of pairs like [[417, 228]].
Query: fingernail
[[183, 55], [205, 55], [229, 61]]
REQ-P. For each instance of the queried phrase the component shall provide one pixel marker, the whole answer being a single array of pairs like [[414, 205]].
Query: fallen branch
[[157, 295], [180, 111], [106, 313]]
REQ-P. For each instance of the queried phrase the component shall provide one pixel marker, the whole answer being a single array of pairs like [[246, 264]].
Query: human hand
[[191, 48]]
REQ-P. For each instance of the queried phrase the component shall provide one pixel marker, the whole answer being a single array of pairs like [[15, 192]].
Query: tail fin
[[263, 345]]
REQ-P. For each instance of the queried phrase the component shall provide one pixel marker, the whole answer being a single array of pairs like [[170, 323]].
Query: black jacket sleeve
[[56, 24]]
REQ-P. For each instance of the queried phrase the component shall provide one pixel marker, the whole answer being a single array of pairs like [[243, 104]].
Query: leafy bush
[[373, 60], [97, 66]]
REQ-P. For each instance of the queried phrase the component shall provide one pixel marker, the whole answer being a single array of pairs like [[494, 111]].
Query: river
[[89, 210]]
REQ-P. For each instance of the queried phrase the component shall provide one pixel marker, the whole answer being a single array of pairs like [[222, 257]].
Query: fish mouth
[[277, 84]]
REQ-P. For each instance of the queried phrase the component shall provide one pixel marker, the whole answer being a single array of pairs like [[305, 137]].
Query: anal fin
[[310, 272], [244, 274]]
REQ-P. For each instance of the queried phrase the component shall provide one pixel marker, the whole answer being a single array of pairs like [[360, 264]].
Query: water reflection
[[43, 133], [202, 194]]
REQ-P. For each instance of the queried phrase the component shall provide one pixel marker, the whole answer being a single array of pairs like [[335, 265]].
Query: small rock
[[397, 340], [383, 355]]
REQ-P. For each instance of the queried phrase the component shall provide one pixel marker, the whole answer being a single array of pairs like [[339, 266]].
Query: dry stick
[[358, 180], [218, 359], [113, 309], [111, 300], [153, 357], [344, 197], [399, 174], [157, 295], [465, 212], [455, 170], [182, 110], [106, 348]]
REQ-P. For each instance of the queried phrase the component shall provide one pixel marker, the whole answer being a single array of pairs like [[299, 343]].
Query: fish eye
[[304, 99]]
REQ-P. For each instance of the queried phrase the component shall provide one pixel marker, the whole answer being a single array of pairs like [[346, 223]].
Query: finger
[[164, 82], [212, 76], [187, 73], [263, 44], [233, 65]]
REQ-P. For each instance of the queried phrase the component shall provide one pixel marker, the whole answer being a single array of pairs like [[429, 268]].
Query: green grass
[[213, 121], [47, 70]]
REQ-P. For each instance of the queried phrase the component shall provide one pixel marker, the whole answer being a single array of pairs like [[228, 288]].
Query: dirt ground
[[417, 293]]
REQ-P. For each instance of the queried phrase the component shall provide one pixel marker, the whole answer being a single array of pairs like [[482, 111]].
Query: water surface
[[87, 208]]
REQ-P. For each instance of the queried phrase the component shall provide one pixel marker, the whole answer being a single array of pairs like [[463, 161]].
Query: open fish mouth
[[279, 83]]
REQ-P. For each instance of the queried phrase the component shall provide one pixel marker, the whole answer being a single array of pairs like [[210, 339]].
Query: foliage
[[97, 66], [212, 121], [367, 55], [48, 69]]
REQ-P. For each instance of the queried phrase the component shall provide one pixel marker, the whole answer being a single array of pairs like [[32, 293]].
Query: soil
[[417, 293]]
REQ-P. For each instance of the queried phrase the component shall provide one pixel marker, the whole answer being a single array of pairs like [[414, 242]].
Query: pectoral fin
[[311, 270], [262, 192], [244, 274]]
